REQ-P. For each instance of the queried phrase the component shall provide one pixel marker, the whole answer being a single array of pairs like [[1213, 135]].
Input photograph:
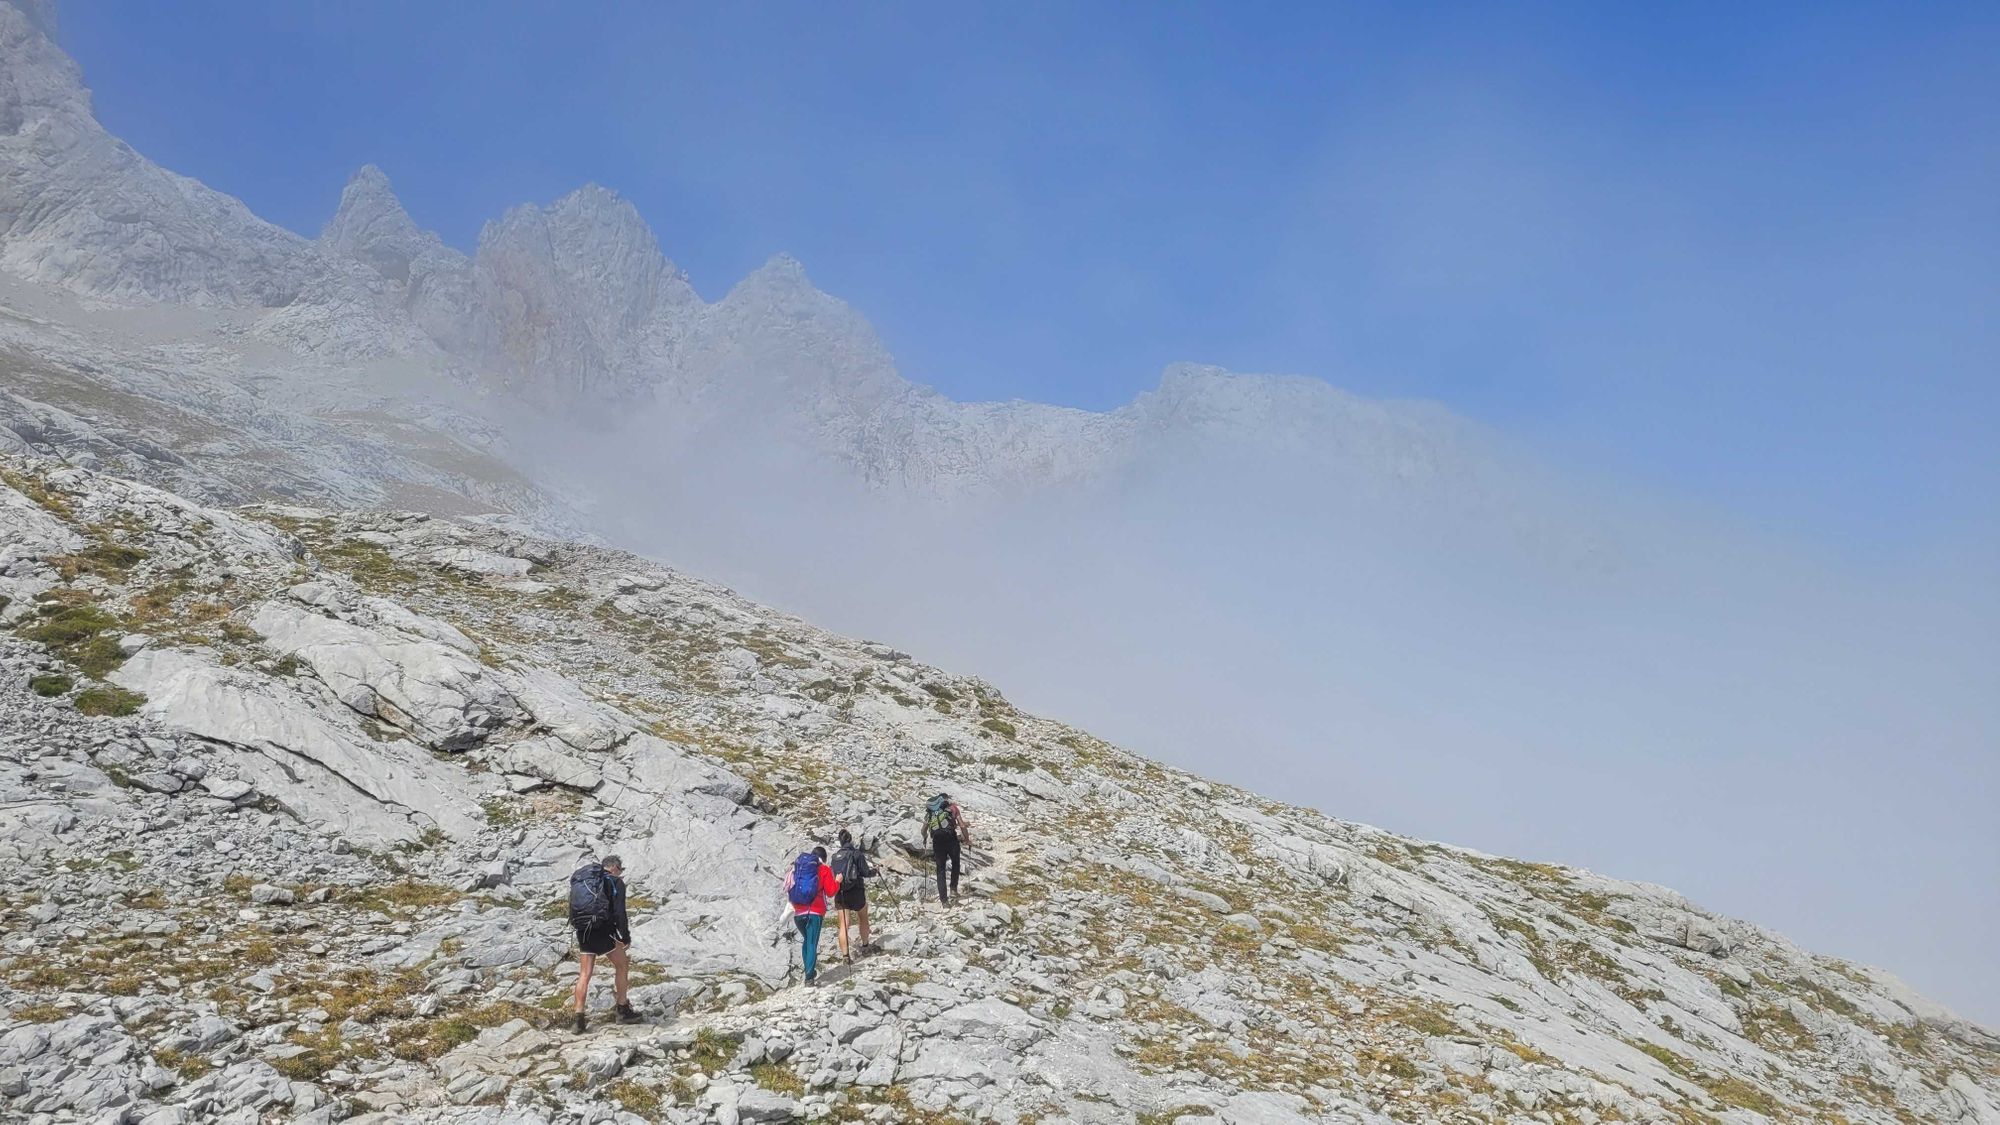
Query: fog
[[1549, 668]]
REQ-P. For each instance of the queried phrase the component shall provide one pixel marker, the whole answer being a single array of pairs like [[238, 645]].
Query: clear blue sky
[[1747, 253]]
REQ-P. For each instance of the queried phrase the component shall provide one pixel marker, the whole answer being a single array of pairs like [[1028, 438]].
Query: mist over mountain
[[1374, 607]]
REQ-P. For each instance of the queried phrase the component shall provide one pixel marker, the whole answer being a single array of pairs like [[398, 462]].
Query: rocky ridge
[[291, 793], [571, 309]]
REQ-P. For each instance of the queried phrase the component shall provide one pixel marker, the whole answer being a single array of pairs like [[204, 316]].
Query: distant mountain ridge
[[575, 306]]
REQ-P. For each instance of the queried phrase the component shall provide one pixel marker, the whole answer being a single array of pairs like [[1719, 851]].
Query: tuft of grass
[[1427, 1020], [778, 1078], [80, 635], [39, 1013], [362, 995], [1736, 1092], [1396, 1066], [1667, 1058], [392, 898], [108, 700], [504, 812], [711, 1049], [51, 684], [237, 632], [38, 491], [1169, 1116], [1523, 1051], [1001, 727], [323, 1052], [634, 1098], [425, 1040], [105, 558], [187, 1064]]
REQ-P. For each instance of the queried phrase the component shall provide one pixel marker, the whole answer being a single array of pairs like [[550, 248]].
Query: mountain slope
[[362, 751]]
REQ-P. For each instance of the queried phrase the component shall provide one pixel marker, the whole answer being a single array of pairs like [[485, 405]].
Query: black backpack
[[850, 864], [590, 897]]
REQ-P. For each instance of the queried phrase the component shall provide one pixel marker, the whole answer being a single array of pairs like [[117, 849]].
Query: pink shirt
[[827, 881]]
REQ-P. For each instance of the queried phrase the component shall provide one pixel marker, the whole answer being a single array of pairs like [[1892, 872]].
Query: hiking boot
[[579, 1023], [627, 1015]]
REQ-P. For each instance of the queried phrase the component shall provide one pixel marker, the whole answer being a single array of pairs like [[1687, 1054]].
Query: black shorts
[[596, 941], [851, 898]]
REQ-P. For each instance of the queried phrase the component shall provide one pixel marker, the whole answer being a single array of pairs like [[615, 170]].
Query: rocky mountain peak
[[780, 272], [37, 79], [41, 13], [371, 226]]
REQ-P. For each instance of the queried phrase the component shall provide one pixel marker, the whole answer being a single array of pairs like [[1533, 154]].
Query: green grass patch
[[711, 1050], [634, 1098], [108, 700], [187, 1064], [39, 1013], [393, 898], [105, 558], [778, 1078], [51, 684], [323, 1052], [1427, 1020], [80, 635]]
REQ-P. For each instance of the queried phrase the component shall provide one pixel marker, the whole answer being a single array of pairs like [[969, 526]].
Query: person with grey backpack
[[944, 824]]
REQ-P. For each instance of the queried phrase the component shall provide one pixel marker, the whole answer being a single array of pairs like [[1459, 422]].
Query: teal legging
[[809, 925]]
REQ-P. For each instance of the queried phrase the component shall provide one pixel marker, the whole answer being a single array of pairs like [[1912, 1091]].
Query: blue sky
[[1749, 255]]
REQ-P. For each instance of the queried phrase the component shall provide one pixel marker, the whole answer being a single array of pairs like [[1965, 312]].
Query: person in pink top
[[806, 888]]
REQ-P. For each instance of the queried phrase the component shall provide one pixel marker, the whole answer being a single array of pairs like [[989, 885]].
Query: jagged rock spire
[[371, 226]]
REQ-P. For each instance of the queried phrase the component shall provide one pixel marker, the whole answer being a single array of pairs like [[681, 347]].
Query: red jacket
[[827, 882]]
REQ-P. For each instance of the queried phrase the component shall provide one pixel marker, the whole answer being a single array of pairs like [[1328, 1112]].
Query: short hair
[[820, 852], [846, 837], [612, 861]]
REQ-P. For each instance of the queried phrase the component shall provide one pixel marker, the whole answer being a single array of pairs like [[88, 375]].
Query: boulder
[[759, 1104], [552, 761]]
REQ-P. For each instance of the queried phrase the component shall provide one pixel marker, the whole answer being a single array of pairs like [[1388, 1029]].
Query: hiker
[[806, 888], [597, 913], [945, 822], [850, 866]]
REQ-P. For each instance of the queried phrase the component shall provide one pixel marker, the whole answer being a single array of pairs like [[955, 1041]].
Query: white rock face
[[407, 790], [429, 690]]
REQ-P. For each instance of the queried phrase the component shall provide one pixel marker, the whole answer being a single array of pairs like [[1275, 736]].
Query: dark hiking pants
[[944, 846]]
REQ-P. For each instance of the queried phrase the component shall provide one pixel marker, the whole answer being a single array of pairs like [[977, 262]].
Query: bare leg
[[621, 971], [864, 929], [584, 963], [844, 916]]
